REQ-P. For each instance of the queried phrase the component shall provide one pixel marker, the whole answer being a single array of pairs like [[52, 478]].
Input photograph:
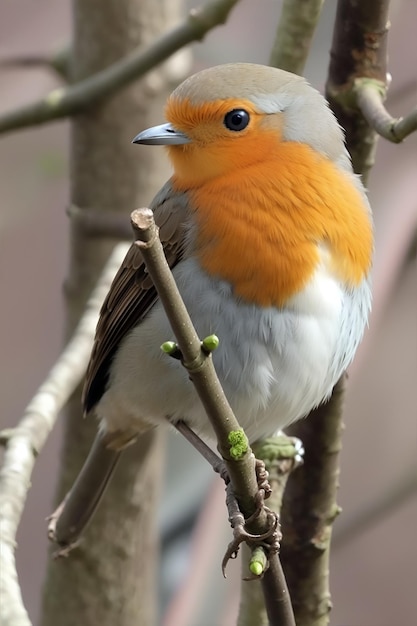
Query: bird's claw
[[270, 538], [262, 476]]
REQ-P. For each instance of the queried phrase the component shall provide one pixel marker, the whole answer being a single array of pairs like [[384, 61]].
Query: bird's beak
[[163, 135]]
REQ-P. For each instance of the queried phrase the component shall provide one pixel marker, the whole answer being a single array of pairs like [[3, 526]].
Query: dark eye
[[237, 119]]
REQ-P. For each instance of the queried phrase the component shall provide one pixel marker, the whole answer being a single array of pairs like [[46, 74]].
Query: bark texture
[[359, 50], [110, 578], [309, 509]]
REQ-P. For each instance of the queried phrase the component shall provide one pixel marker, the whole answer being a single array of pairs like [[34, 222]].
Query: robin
[[268, 233]]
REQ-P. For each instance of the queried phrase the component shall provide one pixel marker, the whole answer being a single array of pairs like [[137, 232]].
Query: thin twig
[[27, 439], [241, 469], [370, 96], [195, 360], [67, 101], [296, 28]]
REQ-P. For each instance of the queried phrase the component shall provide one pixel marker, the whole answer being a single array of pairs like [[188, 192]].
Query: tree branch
[[67, 101], [358, 80], [371, 95], [240, 466], [295, 31], [359, 51], [25, 441], [309, 509]]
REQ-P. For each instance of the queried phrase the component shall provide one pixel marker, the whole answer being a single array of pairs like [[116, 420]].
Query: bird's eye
[[237, 119]]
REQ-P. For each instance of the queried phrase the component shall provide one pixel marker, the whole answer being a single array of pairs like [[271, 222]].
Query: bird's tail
[[73, 514]]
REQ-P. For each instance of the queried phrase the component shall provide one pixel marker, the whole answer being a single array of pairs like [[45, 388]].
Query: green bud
[[256, 568], [169, 347], [210, 343], [258, 561], [239, 443]]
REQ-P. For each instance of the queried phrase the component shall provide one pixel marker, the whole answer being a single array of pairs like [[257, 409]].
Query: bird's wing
[[132, 293]]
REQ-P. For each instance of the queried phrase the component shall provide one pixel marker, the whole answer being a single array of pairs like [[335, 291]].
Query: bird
[[269, 236]]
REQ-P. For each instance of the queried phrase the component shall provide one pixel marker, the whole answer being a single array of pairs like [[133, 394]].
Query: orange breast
[[260, 227]]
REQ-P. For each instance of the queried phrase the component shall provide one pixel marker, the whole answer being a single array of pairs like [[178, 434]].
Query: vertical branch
[[359, 50], [106, 581], [295, 31], [309, 509]]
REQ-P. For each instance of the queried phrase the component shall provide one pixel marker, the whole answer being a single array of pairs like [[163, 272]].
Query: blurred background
[[373, 570]]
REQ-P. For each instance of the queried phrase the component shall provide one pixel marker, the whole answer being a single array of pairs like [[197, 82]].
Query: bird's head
[[235, 115]]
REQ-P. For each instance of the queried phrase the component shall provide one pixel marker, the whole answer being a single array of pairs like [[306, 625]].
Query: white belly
[[274, 365]]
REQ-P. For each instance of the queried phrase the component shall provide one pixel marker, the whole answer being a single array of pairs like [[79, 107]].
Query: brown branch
[[296, 28], [371, 95], [359, 50], [24, 442], [309, 509], [64, 102], [241, 468], [358, 80]]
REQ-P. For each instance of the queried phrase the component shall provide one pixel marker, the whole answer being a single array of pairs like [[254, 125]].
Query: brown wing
[[132, 293]]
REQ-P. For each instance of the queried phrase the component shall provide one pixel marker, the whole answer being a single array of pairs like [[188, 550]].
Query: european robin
[[269, 236]]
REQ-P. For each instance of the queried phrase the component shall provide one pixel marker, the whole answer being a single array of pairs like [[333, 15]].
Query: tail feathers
[[74, 513]]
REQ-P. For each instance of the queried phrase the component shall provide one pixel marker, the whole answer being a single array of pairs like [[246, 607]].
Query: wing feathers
[[132, 294]]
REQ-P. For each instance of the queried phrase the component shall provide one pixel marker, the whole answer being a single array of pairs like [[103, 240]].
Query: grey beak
[[163, 135]]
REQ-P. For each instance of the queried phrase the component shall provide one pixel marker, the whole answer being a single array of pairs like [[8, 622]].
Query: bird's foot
[[270, 538]]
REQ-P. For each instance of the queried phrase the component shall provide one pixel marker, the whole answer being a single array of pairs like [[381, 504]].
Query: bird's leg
[[271, 537]]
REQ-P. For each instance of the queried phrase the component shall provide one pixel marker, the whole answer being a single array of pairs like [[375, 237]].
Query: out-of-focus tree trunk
[[110, 578]]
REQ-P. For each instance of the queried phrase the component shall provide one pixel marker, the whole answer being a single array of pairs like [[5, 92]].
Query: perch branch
[[24, 442], [240, 465], [71, 100], [295, 31]]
